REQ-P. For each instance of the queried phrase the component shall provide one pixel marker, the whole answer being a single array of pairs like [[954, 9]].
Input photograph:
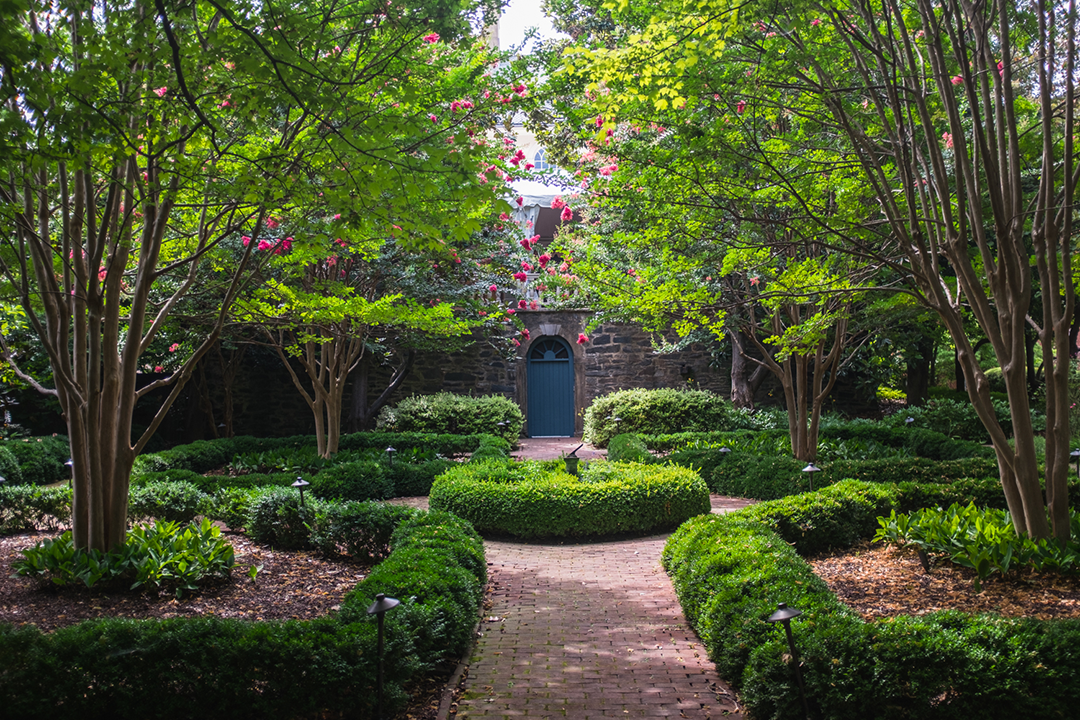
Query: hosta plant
[[155, 555]]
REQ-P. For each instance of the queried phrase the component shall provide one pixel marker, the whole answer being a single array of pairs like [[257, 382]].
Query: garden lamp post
[[390, 454], [810, 470], [1075, 454], [783, 615], [572, 460], [300, 484], [71, 472], [378, 609], [724, 450]]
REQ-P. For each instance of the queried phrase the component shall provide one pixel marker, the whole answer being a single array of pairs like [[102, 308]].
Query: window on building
[[539, 161]]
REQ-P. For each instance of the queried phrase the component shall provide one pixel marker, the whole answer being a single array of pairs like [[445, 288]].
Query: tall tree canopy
[[938, 139], [143, 140]]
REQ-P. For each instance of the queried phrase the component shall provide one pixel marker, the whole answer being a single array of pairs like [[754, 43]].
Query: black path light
[[1075, 454], [909, 421], [300, 484], [810, 470], [724, 450], [71, 472], [378, 609], [572, 460], [783, 615], [390, 454]]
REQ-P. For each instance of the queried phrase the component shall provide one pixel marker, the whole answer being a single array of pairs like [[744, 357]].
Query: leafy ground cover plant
[[982, 539], [153, 556]]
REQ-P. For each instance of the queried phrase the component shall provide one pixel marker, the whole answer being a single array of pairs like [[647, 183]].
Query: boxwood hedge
[[661, 410], [730, 572], [536, 500], [183, 668]]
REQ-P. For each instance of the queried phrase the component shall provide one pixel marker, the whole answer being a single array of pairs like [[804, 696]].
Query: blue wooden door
[[551, 388]]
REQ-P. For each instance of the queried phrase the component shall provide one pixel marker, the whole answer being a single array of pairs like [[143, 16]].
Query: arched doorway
[[551, 388]]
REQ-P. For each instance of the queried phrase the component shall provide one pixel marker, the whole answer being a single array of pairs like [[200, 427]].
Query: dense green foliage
[[454, 414], [982, 539], [628, 447], [730, 572], [159, 555], [327, 667], [662, 410], [9, 467], [361, 530], [41, 459], [163, 500], [537, 500], [26, 507]]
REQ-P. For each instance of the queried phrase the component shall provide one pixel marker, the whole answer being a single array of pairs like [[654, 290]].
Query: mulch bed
[[290, 586], [879, 581]]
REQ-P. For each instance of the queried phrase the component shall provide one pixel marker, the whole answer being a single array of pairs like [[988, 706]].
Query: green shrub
[[409, 480], [730, 571], [9, 467], [41, 459], [230, 505], [276, 518], [628, 448], [359, 529], [27, 507], [529, 500], [957, 418], [663, 410], [172, 501], [157, 555], [458, 414], [353, 481], [491, 448], [205, 666]]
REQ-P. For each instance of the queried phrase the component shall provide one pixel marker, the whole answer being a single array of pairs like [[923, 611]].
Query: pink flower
[[467, 105], [599, 122], [433, 119], [755, 280], [338, 216], [582, 338], [504, 216], [606, 171], [493, 288], [532, 306], [174, 347], [529, 166], [740, 106], [957, 80], [525, 333], [520, 276], [264, 244], [522, 304], [567, 214], [564, 267], [815, 22], [948, 139], [226, 103], [102, 274], [1001, 68], [511, 311], [160, 92], [520, 201], [431, 38], [158, 368], [544, 259], [525, 265], [520, 88], [272, 223], [246, 239], [558, 203], [517, 343]]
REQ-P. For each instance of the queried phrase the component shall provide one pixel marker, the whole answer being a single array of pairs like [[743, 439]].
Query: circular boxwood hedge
[[534, 499]]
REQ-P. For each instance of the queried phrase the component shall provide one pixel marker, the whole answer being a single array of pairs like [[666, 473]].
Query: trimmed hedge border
[[531, 499], [730, 572], [183, 668]]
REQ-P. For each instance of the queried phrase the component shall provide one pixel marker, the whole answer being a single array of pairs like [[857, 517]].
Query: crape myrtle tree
[[682, 233], [958, 122], [337, 288], [142, 140]]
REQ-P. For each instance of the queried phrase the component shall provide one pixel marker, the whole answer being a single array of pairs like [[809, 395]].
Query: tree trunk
[[362, 414], [917, 381], [746, 373]]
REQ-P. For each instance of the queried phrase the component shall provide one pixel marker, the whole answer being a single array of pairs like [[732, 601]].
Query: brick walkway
[[589, 630]]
